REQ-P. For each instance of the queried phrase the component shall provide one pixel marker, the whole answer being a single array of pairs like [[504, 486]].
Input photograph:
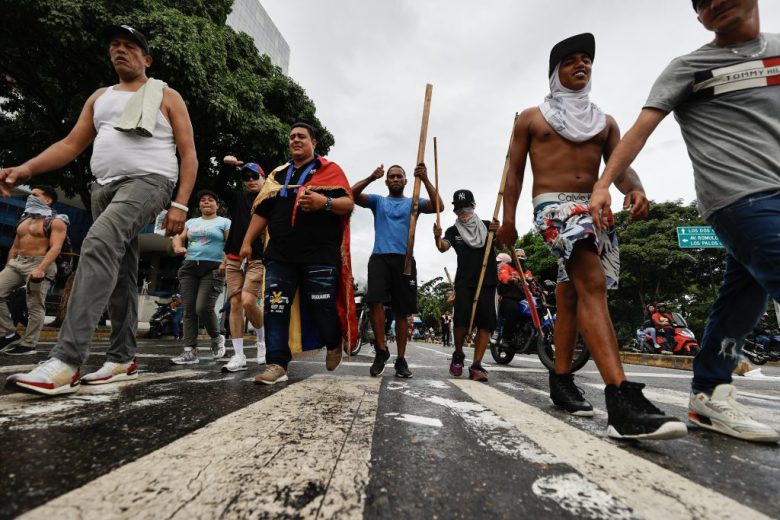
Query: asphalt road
[[192, 442]]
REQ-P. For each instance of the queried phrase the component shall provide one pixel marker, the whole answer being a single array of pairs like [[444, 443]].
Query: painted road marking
[[577, 494], [650, 490], [303, 452], [415, 419], [15, 369], [49, 405]]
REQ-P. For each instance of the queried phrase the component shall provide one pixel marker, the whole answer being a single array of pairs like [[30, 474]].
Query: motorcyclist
[[764, 332], [647, 326], [510, 292], [662, 321]]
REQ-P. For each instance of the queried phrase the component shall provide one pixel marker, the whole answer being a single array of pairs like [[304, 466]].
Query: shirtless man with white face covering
[[566, 138]]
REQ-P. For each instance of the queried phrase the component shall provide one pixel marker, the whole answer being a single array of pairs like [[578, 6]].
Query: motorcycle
[[161, 322], [759, 353], [527, 339], [685, 343], [365, 331]]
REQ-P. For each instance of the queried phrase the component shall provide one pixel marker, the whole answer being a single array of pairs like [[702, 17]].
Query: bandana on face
[[570, 112], [472, 230], [36, 207]]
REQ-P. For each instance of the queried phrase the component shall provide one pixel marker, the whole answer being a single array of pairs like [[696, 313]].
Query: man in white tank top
[[136, 176]]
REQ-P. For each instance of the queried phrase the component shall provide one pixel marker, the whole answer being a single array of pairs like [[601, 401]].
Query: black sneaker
[[9, 342], [567, 396], [380, 359], [19, 350], [402, 369], [632, 416]]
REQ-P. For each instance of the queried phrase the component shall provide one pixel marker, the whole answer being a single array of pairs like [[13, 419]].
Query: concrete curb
[[664, 360]]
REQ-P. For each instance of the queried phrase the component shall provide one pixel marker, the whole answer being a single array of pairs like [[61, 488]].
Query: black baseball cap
[[584, 42], [462, 199], [126, 30]]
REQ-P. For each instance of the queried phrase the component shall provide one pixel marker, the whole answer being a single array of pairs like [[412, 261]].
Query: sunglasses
[[250, 176]]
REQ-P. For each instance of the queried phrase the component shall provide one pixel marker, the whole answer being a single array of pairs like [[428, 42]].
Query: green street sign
[[697, 237]]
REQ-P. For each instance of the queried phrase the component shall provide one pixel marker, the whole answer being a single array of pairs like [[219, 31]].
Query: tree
[[53, 56], [432, 301], [653, 267]]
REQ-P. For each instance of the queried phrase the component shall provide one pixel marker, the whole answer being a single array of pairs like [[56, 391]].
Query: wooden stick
[[436, 179], [489, 241], [449, 278], [417, 181], [527, 291]]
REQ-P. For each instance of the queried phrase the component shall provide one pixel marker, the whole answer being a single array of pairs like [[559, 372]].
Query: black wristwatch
[[328, 204]]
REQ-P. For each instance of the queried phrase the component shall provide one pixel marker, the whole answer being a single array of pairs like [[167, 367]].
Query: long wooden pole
[[417, 181], [527, 291], [449, 278], [436, 179], [489, 242]]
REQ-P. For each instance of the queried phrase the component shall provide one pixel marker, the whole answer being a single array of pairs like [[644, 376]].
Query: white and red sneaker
[[51, 377], [112, 372]]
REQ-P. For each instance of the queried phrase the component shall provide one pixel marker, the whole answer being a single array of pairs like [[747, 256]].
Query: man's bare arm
[[14, 251], [57, 155], [518, 152], [188, 169], [620, 159], [357, 188], [256, 226], [628, 181], [429, 206]]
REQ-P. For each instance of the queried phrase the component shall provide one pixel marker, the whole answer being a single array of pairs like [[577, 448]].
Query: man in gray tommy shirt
[[726, 98]]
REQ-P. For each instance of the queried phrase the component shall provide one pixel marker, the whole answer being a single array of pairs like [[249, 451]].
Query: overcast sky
[[365, 64]]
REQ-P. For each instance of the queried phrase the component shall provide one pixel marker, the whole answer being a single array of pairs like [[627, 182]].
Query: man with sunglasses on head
[[725, 96], [244, 279]]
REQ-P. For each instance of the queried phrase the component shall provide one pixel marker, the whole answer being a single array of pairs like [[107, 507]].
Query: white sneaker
[[112, 372], [721, 412], [51, 377], [188, 357], [261, 352], [218, 346], [236, 364]]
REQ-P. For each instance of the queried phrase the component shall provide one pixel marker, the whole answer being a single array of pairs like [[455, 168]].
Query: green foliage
[[652, 267], [53, 56], [432, 301]]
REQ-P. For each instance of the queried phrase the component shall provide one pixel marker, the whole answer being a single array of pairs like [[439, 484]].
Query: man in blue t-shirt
[[386, 282]]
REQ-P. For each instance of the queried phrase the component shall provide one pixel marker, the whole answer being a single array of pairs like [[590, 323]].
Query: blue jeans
[[317, 284], [748, 229]]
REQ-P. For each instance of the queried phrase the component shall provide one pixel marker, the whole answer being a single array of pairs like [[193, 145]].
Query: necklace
[[764, 43]]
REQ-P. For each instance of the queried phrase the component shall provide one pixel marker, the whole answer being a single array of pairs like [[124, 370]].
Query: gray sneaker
[[218, 347], [721, 412], [272, 374], [188, 357]]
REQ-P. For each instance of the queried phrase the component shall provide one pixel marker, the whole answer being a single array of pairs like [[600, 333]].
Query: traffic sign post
[[697, 237]]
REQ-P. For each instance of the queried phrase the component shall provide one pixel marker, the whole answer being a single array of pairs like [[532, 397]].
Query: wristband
[[182, 207], [328, 204]]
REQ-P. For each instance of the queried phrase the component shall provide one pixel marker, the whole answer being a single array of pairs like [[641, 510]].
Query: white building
[[249, 16]]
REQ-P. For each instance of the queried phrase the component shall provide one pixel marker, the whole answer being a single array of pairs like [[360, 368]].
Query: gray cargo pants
[[108, 268]]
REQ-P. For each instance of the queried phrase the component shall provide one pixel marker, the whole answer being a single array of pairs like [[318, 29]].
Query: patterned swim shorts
[[563, 224]]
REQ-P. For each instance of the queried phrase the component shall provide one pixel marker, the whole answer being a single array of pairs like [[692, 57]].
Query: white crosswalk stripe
[[650, 490], [305, 451], [301, 452]]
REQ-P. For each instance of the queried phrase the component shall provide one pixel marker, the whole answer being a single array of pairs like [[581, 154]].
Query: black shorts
[[388, 285], [485, 317]]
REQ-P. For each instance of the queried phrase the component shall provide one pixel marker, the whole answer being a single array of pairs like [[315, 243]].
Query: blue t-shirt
[[206, 238], [391, 223]]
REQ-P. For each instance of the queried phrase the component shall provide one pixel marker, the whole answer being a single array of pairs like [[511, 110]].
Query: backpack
[[66, 260]]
